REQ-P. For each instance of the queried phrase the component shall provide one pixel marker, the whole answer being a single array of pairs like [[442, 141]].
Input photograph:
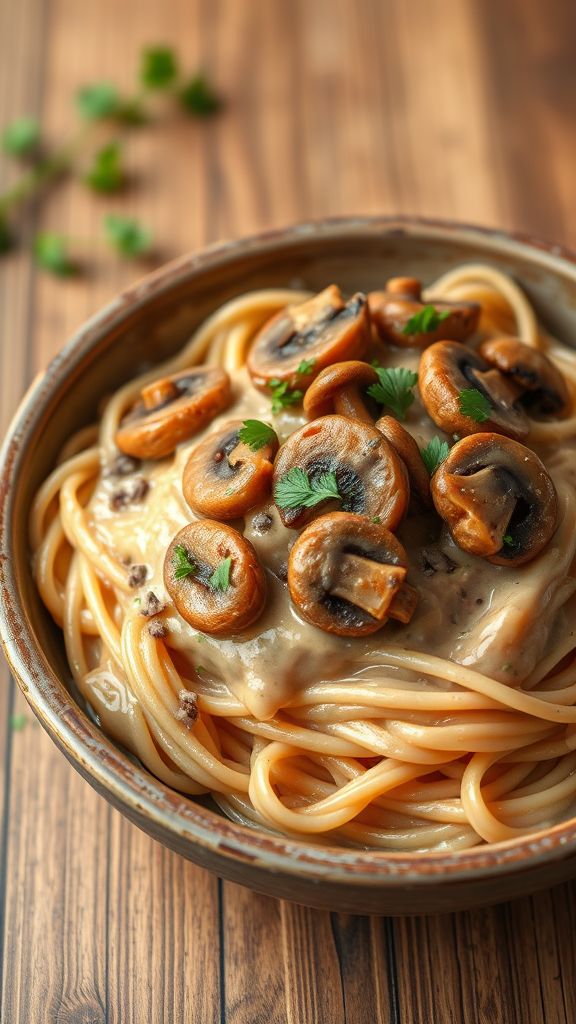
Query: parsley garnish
[[183, 566], [474, 404], [98, 101], [198, 98], [376, 520], [434, 453], [106, 173], [51, 253], [305, 366], [17, 722], [297, 490], [394, 388], [128, 236], [425, 321], [159, 68], [283, 396], [509, 540], [21, 136], [220, 579], [256, 434]]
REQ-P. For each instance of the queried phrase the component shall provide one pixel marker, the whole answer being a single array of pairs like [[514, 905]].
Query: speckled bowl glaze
[[149, 322]]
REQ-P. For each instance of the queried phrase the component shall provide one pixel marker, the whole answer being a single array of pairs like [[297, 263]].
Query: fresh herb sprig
[[305, 367], [474, 404], [283, 396], [256, 434], [434, 454], [395, 388], [297, 490], [21, 137], [508, 540], [425, 321], [220, 579], [107, 173], [183, 564]]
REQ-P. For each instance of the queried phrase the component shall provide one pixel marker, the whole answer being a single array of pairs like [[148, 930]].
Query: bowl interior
[[155, 318]]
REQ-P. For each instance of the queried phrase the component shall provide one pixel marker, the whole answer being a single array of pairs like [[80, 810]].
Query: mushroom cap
[[202, 605], [324, 329], [390, 311], [405, 446], [544, 390], [345, 573], [171, 410], [224, 478], [371, 478], [350, 376], [446, 369], [497, 499]]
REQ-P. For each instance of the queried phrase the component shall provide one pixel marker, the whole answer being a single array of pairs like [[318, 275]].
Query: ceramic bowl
[[150, 321]]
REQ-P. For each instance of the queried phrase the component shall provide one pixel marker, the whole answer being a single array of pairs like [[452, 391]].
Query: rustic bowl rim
[[128, 785]]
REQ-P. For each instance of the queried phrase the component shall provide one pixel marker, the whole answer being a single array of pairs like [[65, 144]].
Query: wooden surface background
[[456, 108]]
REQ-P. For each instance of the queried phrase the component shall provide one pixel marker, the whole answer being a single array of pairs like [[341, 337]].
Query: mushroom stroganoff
[[321, 565]]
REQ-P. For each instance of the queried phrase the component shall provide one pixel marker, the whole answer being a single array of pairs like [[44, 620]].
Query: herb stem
[[42, 174]]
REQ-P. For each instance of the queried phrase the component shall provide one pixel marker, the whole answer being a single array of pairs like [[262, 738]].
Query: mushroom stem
[[159, 393], [486, 510], [403, 604], [368, 585], [349, 402]]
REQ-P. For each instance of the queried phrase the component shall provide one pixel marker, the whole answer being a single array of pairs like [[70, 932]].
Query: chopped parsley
[[183, 565], [425, 320], [220, 579], [21, 137], [297, 490], [474, 404], [17, 722], [305, 366], [509, 540], [283, 396], [256, 434], [394, 388], [434, 453]]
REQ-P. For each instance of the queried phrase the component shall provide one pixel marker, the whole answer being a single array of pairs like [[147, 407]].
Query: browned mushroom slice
[[544, 390], [392, 310], [321, 331], [336, 462], [405, 446], [347, 575], [171, 410], [340, 388], [446, 370], [496, 498], [214, 578], [223, 477]]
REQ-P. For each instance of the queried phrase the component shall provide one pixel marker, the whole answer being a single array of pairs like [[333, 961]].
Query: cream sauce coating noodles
[[456, 729]]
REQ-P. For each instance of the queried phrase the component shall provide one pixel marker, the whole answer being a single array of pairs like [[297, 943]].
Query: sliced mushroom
[[347, 575], [405, 446], [173, 409], [544, 390], [370, 477], [321, 331], [496, 498], [448, 368], [223, 477], [391, 310], [205, 603], [340, 388]]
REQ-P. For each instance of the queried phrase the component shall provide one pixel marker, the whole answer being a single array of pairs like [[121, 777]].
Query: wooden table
[[457, 108]]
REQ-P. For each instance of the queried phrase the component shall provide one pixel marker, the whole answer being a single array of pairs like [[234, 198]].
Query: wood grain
[[456, 108]]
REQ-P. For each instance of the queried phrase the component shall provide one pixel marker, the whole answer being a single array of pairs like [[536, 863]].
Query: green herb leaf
[[376, 520], [475, 405], [283, 396], [98, 101], [434, 453], [509, 540], [131, 112], [21, 136], [426, 320], [183, 565], [256, 434], [6, 239], [394, 388], [198, 97], [51, 253], [17, 722], [106, 173], [128, 236], [305, 366], [297, 490], [159, 67], [220, 579]]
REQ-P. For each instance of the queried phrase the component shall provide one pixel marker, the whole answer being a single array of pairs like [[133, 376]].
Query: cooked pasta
[[449, 724]]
